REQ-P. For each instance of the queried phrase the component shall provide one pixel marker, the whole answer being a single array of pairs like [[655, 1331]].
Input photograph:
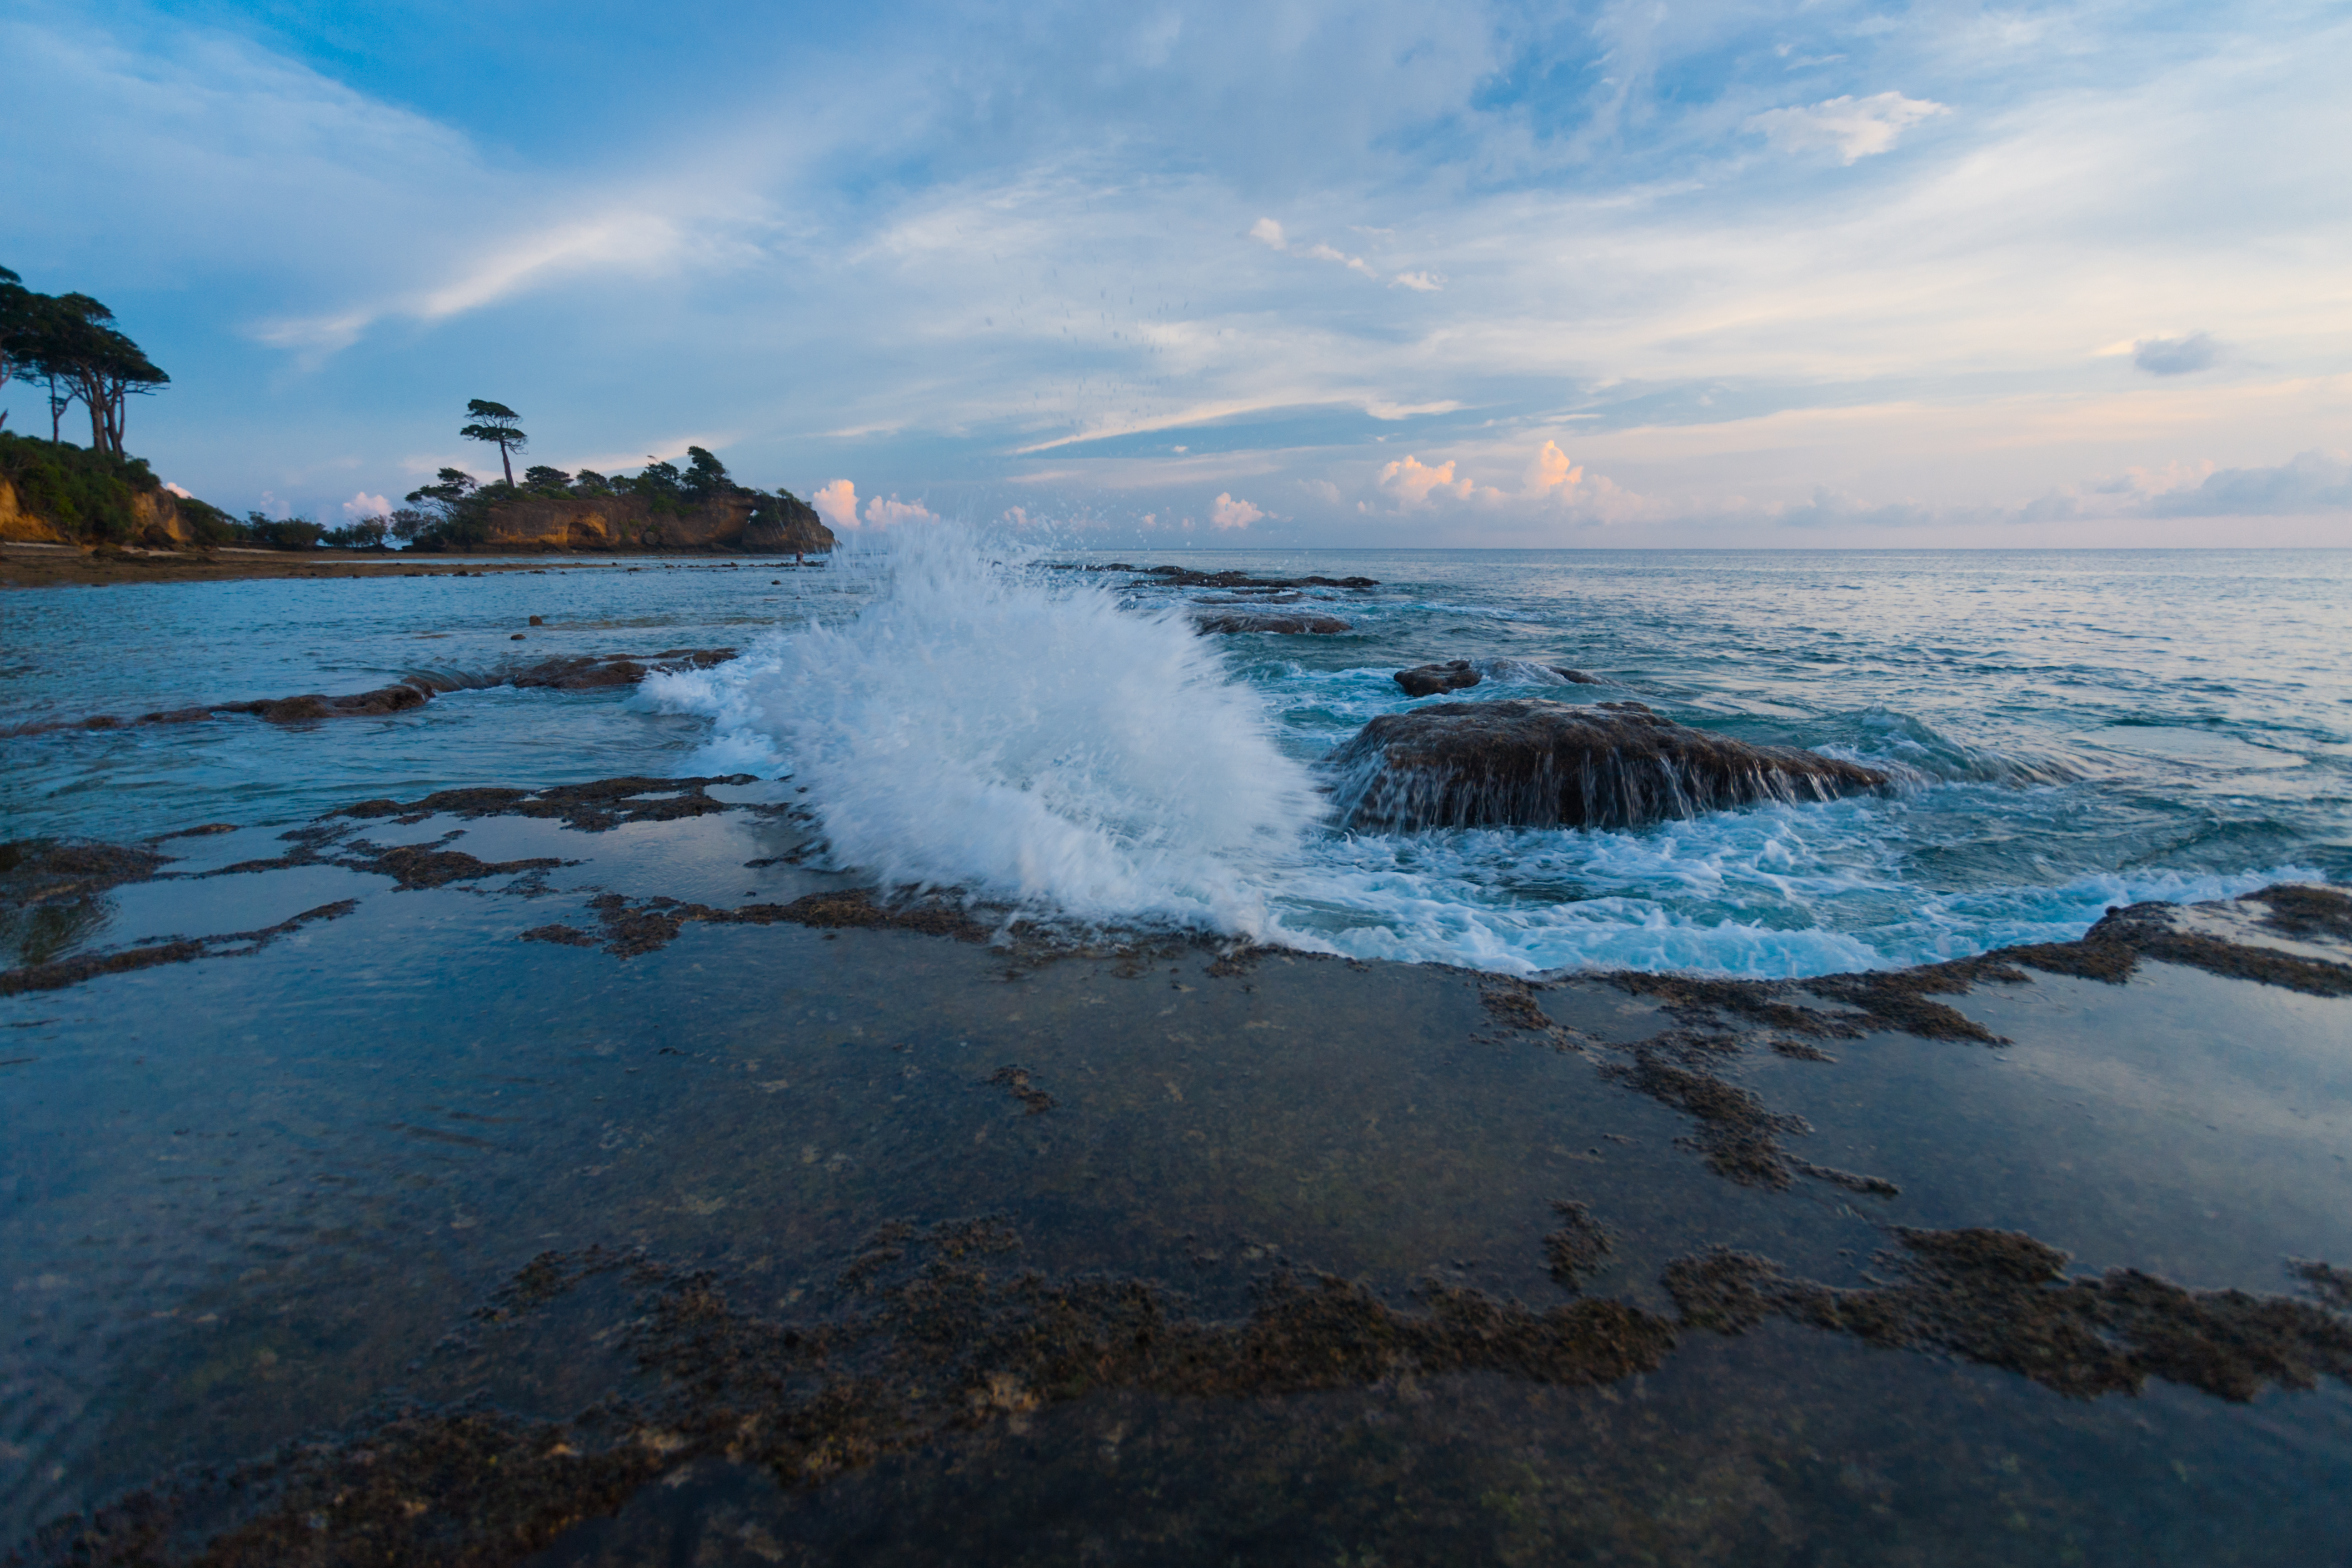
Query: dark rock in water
[[1461, 674], [1293, 621], [358, 705], [584, 672], [1615, 765], [1186, 577], [1428, 679]]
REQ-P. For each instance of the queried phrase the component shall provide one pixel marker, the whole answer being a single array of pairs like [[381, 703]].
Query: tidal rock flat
[[915, 1227], [1536, 762]]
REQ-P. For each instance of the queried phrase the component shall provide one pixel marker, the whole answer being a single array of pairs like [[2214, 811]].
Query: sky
[[1279, 273]]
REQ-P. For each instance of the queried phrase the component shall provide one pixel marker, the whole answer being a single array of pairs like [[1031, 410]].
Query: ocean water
[[2071, 730], [303, 1195]]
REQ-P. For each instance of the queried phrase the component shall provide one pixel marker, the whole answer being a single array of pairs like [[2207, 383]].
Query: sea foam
[[1016, 734]]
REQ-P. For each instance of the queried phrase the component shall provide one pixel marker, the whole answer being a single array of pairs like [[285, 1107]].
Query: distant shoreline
[[29, 565]]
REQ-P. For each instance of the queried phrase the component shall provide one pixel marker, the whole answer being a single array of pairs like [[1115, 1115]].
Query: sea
[[950, 1090], [1002, 721]]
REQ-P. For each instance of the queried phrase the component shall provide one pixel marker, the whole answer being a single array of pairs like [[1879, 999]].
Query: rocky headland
[[745, 520]]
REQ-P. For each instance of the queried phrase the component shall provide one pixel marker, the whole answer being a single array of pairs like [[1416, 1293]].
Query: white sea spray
[[1019, 735]]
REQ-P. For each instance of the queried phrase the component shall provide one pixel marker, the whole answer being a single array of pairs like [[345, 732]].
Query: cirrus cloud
[[1852, 128]]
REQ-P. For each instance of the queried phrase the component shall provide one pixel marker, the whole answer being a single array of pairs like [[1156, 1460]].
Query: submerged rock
[[305, 708], [582, 672], [1539, 764], [1185, 577], [1254, 620], [1461, 674]]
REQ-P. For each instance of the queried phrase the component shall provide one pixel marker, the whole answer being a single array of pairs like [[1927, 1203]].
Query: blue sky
[[1266, 273]]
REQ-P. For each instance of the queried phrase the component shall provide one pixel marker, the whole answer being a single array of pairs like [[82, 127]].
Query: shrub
[[368, 534], [210, 526], [88, 495], [282, 533]]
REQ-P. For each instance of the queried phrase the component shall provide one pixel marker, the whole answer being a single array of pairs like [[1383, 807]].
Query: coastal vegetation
[[57, 490], [660, 506], [54, 491]]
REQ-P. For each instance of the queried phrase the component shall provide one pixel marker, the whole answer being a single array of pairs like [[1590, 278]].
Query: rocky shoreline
[[42, 565]]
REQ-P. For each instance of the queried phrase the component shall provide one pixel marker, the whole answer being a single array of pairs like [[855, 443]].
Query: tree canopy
[[70, 342], [499, 426]]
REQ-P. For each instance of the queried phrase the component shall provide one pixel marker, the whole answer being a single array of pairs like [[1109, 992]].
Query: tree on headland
[[15, 334], [104, 367], [70, 342], [440, 510], [499, 426], [706, 476]]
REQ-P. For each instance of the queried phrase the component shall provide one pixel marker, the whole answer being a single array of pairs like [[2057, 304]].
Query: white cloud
[[1413, 481], [365, 505], [1851, 127], [837, 504], [175, 489], [1227, 513], [1267, 232], [1325, 253], [1422, 282], [880, 513], [1551, 473]]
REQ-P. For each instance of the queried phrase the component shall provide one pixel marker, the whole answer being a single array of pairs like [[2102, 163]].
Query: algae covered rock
[[1542, 763]]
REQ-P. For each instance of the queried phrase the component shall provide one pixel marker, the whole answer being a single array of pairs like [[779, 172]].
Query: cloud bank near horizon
[[1322, 274]]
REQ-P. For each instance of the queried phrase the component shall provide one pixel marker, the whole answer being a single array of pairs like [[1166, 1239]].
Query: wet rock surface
[[1186, 577], [58, 973], [2004, 1299], [588, 808], [929, 1335], [632, 929], [932, 1335], [1171, 1249], [1294, 623], [585, 672], [1543, 763]]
